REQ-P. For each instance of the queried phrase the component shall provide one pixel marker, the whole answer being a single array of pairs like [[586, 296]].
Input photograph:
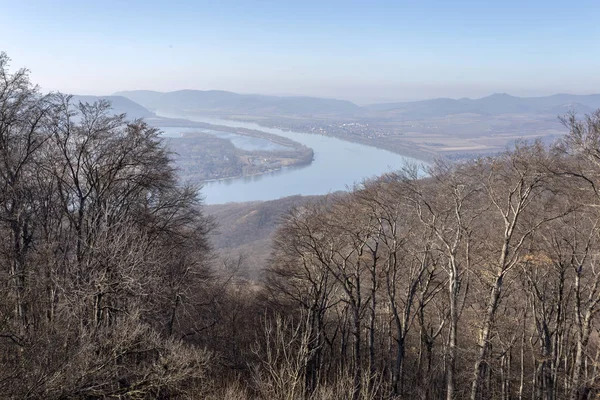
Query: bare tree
[[514, 184], [91, 214], [446, 205]]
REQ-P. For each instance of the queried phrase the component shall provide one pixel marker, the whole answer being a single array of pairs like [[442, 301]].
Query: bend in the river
[[337, 165]]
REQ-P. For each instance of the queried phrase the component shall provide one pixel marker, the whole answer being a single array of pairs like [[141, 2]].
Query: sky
[[364, 51]]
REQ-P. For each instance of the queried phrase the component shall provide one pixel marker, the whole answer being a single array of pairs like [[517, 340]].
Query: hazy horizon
[[380, 52], [380, 100]]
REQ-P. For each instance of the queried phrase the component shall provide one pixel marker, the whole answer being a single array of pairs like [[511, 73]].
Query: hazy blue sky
[[359, 50]]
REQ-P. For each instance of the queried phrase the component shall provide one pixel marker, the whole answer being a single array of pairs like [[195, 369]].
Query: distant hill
[[215, 101], [223, 102], [423, 109], [120, 105], [567, 107], [496, 104]]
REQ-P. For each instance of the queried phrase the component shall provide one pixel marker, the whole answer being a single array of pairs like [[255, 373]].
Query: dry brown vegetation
[[480, 281], [245, 231], [94, 303]]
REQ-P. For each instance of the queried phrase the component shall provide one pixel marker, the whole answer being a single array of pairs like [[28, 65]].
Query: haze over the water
[[357, 50]]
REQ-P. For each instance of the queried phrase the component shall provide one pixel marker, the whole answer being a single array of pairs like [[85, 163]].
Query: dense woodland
[[478, 280]]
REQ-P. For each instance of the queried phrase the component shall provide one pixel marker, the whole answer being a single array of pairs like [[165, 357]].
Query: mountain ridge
[[494, 104], [225, 102]]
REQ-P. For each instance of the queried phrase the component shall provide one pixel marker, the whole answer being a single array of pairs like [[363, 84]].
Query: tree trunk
[[357, 373], [452, 341], [480, 369]]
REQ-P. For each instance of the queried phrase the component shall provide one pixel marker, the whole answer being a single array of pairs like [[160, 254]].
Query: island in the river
[[200, 155]]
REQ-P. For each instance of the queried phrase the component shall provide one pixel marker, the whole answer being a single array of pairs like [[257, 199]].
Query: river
[[337, 165], [240, 141]]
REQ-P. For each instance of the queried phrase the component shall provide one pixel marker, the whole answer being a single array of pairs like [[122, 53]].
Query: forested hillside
[[480, 281], [91, 215], [245, 231]]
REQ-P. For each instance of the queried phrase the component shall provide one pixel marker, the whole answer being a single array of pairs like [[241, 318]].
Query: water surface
[[337, 165], [240, 141]]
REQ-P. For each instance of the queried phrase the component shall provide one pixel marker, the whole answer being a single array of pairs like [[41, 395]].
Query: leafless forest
[[480, 281]]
